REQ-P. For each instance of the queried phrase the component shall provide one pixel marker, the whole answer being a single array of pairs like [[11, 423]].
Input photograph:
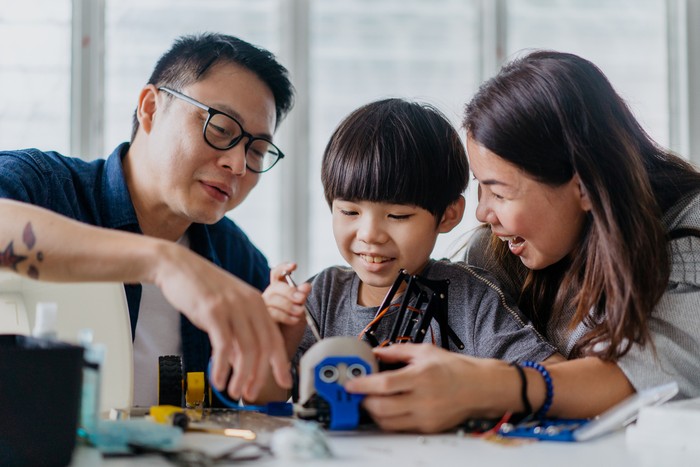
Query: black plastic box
[[40, 388]]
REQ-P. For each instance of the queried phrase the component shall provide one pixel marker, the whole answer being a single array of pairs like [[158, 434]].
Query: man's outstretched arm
[[44, 245]]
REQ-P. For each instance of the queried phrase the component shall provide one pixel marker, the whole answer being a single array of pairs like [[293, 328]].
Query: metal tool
[[309, 319]]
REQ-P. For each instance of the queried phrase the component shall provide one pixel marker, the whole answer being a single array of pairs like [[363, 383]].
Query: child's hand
[[286, 306], [284, 303]]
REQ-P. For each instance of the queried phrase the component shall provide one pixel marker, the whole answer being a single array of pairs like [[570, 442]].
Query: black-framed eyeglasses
[[221, 131]]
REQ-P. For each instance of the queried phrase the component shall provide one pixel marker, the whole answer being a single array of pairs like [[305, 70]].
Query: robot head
[[323, 371]]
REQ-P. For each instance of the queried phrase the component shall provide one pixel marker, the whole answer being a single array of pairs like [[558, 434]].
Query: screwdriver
[[309, 319]]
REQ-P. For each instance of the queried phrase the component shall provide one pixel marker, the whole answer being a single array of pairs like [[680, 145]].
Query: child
[[393, 174]]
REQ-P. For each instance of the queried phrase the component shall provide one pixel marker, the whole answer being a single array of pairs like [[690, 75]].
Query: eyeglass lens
[[223, 132]]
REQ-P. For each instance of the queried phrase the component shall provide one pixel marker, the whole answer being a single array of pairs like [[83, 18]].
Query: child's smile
[[375, 259], [379, 239]]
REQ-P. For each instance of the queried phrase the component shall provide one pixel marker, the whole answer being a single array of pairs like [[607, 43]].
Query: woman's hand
[[233, 314], [434, 392]]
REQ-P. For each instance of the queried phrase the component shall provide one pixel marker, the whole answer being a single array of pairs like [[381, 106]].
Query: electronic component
[[424, 300], [613, 419]]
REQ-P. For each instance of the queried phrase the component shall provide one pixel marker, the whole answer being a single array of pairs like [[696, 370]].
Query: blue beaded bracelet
[[548, 385]]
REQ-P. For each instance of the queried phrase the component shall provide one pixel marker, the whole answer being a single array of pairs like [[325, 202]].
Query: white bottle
[[45, 320]]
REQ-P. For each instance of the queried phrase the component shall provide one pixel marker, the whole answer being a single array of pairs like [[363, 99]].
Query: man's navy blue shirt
[[96, 193]]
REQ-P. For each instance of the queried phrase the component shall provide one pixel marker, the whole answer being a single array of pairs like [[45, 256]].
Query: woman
[[594, 229]]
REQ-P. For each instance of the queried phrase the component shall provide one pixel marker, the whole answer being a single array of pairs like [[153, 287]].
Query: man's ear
[[146, 110], [585, 201], [453, 215]]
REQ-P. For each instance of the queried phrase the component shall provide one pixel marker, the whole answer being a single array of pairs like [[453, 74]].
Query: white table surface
[[453, 450]]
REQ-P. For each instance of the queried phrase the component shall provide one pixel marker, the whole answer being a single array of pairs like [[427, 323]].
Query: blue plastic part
[[277, 409], [344, 406], [549, 429]]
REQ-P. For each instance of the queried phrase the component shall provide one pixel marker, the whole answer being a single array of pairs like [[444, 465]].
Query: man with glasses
[[222, 131], [202, 135]]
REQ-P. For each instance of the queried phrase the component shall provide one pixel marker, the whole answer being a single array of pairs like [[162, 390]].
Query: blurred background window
[[341, 54], [35, 62]]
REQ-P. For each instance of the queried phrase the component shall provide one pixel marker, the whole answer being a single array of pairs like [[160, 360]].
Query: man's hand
[[242, 334]]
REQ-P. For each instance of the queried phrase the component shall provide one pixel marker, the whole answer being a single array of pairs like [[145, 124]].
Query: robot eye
[[328, 374], [355, 370]]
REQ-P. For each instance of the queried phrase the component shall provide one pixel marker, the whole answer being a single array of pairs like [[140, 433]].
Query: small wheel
[[170, 380]]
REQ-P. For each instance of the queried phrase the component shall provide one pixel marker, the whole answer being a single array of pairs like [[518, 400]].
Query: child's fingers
[[283, 303], [278, 272], [282, 296], [304, 288], [282, 317], [295, 296]]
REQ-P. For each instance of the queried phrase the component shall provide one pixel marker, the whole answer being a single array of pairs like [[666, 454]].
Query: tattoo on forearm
[[9, 259], [28, 236]]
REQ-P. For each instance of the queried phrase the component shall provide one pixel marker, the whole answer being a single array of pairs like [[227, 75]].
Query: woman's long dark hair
[[555, 115]]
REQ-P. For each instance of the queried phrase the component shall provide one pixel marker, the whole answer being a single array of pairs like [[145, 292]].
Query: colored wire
[[381, 315]]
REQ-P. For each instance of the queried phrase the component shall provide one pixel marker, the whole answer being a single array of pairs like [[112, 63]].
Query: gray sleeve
[[322, 303], [487, 317], [503, 331], [674, 327]]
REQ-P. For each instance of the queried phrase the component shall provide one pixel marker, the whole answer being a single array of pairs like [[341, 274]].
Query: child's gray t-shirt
[[484, 318]]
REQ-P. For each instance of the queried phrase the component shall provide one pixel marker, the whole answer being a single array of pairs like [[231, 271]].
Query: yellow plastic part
[[164, 413], [194, 397]]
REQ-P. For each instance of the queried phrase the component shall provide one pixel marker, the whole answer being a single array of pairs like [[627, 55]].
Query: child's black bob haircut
[[398, 152]]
